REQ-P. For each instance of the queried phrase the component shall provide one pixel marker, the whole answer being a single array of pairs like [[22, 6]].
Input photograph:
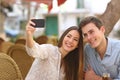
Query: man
[[102, 54]]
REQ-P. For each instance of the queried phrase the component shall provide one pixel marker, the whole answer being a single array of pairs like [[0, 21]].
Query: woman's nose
[[70, 40]]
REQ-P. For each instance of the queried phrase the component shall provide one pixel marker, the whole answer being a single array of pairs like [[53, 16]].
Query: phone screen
[[39, 23]]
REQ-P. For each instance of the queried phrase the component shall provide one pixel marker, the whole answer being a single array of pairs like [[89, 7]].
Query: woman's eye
[[76, 39], [68, 36]]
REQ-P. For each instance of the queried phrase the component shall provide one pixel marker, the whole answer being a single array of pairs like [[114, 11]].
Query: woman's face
[[70, 41]]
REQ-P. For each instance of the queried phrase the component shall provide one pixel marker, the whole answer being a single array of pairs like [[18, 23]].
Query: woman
[[56, 62]]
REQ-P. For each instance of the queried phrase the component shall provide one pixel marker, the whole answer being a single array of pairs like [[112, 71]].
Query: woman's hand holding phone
[[39, 23], [29, 28]]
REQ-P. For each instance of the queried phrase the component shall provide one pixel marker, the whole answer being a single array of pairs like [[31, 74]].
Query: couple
[[66, 61]]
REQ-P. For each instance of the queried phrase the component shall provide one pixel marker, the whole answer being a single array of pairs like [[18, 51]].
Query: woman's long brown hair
[[73, 61]]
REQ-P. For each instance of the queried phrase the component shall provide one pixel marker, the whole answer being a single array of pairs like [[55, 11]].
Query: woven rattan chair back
[[41, 39], [5, 46], [1, 41], [8, 68], [20, 41], [23, 60]]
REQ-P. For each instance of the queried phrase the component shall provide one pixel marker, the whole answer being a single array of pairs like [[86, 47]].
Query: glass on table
[[106, 76]]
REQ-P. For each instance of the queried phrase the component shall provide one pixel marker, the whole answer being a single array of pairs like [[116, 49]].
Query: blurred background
[[58, 15]]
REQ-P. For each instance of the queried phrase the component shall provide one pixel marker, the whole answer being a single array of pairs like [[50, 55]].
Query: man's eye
[[91, 32]]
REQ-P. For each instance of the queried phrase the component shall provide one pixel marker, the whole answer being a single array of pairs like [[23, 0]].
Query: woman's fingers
[[29, 28]]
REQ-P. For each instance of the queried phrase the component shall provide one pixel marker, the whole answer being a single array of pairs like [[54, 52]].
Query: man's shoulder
[[114, 40]]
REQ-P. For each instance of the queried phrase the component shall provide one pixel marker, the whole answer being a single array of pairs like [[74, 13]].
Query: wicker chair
[[5, 46], [41, 39], [53, 40], [9, 70], [1, 41], [20, 56], [20, 41]]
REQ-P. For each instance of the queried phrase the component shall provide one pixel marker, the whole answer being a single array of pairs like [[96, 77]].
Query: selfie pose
[[62, 62], [102, 54]]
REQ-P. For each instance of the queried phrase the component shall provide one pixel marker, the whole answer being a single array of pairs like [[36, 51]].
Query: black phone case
[[39, 23]]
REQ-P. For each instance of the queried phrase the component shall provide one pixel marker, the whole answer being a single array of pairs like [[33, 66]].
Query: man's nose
[[88, 37]]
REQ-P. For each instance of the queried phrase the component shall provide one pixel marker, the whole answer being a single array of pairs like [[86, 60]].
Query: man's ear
[[102, 29]]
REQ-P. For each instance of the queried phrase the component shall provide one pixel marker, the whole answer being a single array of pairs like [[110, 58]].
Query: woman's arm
[[34, 49], [29, 34]]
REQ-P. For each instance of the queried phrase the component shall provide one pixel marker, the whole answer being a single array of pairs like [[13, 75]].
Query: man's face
[[93, 35]]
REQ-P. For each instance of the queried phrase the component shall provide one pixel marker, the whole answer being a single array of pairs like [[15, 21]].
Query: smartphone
[[39, 23]]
